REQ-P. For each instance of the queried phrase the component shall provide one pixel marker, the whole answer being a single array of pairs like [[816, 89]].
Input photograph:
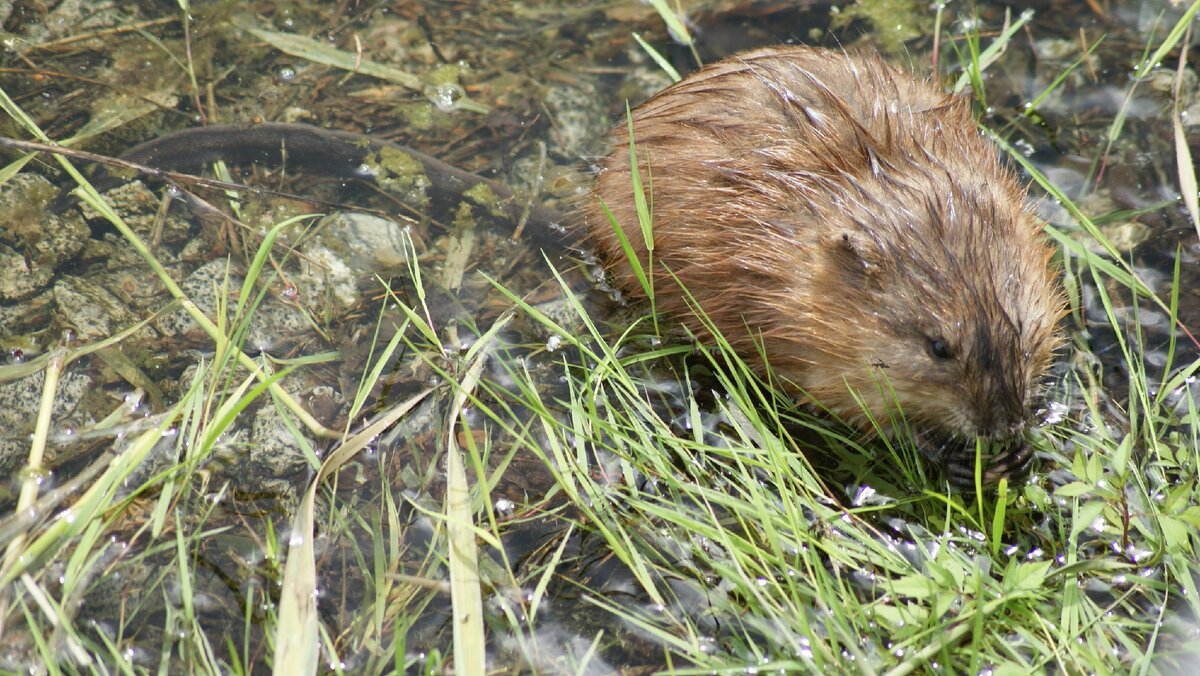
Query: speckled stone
[[18, 280], [580, 118], [33, 241], [91, 310], [23, 325], [350, 248]]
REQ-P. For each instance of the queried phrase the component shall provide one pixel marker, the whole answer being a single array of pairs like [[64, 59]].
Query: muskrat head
[[955, 308]]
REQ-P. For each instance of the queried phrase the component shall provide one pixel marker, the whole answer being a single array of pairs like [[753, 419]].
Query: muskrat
[[852, 221], [827, 206]]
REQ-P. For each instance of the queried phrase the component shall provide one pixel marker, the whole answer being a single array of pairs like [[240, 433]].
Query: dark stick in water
[[178, 156]]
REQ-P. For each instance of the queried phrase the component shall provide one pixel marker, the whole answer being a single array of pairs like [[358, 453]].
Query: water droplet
[[445, 96]]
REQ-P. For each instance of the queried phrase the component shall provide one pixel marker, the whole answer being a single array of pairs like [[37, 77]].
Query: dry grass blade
[[296, 636], [1187, 174], [458, 257], [122, 110], [312, 50], [317, 52], [469, 653], [34, 469], [1183, 154]]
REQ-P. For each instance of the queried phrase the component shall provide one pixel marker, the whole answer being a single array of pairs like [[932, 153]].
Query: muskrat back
[[853, 221]]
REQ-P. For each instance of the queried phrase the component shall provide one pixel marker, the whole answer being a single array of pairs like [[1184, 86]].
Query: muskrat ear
[[853, 254]]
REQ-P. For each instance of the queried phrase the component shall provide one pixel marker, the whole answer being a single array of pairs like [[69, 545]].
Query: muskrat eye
[[938, 349]]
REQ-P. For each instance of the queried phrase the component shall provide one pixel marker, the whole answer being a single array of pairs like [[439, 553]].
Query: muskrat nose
[[1001, 412]]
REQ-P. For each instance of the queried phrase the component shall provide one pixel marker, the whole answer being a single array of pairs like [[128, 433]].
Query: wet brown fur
[[845, 214]]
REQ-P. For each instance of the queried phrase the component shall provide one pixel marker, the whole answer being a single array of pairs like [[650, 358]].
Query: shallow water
[[553, 79]]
